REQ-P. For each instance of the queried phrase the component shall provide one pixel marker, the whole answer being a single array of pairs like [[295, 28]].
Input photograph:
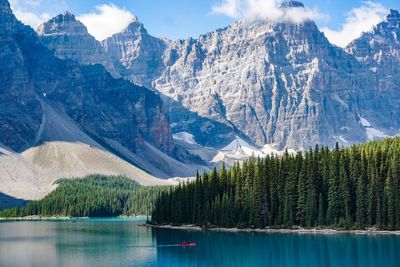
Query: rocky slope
[[281, 84], [136, 56], [59, 118], [379, 51]]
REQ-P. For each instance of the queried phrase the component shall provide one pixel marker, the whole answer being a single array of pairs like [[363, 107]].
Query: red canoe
[[188, 244]]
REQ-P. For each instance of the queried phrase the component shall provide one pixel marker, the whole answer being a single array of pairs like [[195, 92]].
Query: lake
[[122, 242]]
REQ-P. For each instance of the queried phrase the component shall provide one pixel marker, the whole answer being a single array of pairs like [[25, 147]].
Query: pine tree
[[302, 197], [334, 210]]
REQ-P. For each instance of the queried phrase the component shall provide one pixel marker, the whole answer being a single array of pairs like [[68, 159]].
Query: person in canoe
[[188, 244]]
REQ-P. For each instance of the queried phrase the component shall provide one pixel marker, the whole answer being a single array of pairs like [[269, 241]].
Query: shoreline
[[37, 218], [324, 231]]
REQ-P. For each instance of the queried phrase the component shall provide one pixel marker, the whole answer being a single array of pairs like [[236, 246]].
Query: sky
[[341, 20]]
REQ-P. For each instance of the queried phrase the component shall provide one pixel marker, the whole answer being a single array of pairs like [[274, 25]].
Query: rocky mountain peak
[[67, 16], [292, 4], [69, 39], [136, 53], [393, 19], [66, 24], [5, 7], [394, 14], [7, 19], [388, 30], [136, 27]]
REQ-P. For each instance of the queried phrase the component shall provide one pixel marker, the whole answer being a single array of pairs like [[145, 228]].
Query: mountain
[[69, 39], [141, 59], [379, 51], [138, 55], [62, 119], [277, 83]]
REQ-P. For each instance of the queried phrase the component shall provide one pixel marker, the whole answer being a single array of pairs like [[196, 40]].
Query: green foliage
[[93, 196], [350, 188]]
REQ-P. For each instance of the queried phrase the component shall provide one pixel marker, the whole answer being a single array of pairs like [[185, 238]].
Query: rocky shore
[[325, 231]]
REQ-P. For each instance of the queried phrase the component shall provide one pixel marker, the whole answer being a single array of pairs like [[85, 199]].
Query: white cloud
[[106, 20], [265, 9], [21, 3], [228, 8], [33, 19], [358, 20]]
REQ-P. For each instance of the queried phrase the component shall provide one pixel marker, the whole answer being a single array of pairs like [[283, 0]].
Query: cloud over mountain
[[358, 20], [106, 20], [25, 11], [267, 9]]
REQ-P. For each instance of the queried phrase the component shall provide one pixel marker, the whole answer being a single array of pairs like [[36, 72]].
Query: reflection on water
[[244, 249], [124, 243], [85, 243]]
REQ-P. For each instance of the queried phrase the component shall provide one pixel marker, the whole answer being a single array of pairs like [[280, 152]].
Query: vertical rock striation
[[69, 39]]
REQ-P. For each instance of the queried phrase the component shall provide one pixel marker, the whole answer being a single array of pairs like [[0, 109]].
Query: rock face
[[118, 116], [281, 84], [137, 55], [290, 4], [276, 83], [70, 39], [379, 51]]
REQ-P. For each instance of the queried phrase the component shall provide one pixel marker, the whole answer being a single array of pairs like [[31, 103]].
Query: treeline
[[350, 188], [93, 196]]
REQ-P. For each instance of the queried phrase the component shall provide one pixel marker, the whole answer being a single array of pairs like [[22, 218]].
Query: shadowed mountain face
[[110, 114], [137, 57], [273, 83], [103, 106], [7, 202]]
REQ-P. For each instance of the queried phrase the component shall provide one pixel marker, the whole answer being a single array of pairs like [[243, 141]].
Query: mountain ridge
[[278, 73], [60, 118]]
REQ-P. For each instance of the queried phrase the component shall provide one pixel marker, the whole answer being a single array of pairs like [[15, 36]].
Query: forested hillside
[[350, 188], [93, 196]]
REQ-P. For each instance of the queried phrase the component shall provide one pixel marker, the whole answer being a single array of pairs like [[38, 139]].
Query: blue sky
[[189, 18]]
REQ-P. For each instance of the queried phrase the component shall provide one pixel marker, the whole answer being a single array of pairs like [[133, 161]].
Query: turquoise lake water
[[124, 243]]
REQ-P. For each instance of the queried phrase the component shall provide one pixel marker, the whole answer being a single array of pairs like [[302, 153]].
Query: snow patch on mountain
[[185, 137], [239, 145], [239, 148], [364, 122], [372, 133]]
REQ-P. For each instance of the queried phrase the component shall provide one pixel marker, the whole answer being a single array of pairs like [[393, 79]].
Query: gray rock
[[379, 52], [108, 110], [69, 39], [136, 54], [282, 84]]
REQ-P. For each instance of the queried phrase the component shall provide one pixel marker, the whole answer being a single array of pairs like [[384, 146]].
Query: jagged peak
[[68, 16], [394, 15], [135, 26], [65, 17], [292, 4], [394, 12], [5, 7], [391, 22], [65, 23]]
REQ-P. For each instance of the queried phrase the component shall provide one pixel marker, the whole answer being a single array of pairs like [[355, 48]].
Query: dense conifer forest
[[348, 188], [93, 196]]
